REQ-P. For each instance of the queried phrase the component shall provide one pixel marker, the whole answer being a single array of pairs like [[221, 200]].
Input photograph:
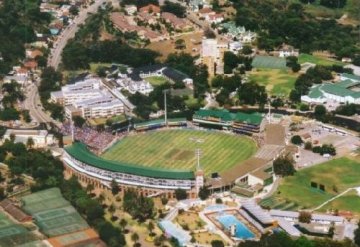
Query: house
[[150, 8], [214, 18], [287, 50], [31, 65], [121, 22], [148, 18], [176, 22], [33, 53], [237, 32], [41, 138], [235, 46], [130, 9], [204, 12]]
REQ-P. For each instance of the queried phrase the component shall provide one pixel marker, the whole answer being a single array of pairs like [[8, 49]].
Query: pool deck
[[210, 218]]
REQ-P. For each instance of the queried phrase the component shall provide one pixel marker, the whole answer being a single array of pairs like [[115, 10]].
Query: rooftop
[[226, 116]]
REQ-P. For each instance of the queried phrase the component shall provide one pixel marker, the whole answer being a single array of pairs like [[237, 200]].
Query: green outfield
[[175, 149], [278, 82], [336, 176]]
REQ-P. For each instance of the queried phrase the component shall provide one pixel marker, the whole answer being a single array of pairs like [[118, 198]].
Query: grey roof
[[261, 215], [288, 227]]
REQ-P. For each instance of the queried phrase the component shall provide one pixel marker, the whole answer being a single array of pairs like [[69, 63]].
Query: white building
[[41, 138], [104, 106], [83, 90], [293, 216], [130, 9], [141, 86]]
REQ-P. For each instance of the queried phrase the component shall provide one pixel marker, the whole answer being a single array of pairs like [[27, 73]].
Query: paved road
[[33, 104], [55, 54]]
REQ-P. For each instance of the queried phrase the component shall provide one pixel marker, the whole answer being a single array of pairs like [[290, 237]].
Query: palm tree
[[30, 142]]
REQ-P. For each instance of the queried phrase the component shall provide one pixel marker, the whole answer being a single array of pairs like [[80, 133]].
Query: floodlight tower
[[165, 106]]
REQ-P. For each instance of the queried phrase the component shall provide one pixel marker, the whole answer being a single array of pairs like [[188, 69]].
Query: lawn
[[335, 175], [205, 238], [156, 80], [277, 81], [175, 149], [191, 220], [348, 202], [303, 58]]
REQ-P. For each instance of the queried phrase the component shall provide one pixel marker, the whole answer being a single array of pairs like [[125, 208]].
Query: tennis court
[[52, 213], [269, 62], [12, 234]]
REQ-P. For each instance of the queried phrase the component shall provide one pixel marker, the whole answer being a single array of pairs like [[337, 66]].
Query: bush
[[304, 107], [296, 140], [218, 201], [308, 146]]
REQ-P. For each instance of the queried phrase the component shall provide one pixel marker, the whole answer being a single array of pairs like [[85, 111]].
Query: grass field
[[336, 175], [156, 80], [269, 62], [174, 149], [277, 81], [303, 58]]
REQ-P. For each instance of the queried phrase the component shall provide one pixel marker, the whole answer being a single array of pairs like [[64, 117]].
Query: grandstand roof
[[80, 152], [158, 121], [226, 116], [288, 227]]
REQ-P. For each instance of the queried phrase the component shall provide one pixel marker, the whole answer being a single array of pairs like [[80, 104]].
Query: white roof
[[263, 216], [316, 217]]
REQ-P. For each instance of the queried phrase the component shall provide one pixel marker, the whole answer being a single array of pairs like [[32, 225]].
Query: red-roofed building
[[177, 23], [150, 8], [31, 64]]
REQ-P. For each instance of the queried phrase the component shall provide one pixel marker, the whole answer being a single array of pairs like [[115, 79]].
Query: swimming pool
[[227, 220]]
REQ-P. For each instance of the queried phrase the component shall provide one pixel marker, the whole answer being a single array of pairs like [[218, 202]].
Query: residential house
[[176, 22], [130, 9], [150, 8], [33, 53], [287, 51]]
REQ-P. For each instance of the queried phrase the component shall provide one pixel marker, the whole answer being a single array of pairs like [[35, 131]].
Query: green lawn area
[[303, 58], [341, 173], [174, 149], [156, 80], [277, 81], [349, 202]]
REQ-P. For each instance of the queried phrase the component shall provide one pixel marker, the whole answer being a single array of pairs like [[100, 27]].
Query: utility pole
[[165, 106]]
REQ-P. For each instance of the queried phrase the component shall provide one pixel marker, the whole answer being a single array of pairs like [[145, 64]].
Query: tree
[[151, 227], [180, 194], [357, 235], [174, 8], [308, 145], [305, 216], [217, 243], [246, 50], [180, 44], [296, 139], [333, 3], [78, 121], [112, 208], [90, 188], [231, 61], [114, 187], [319, 112], [204, 193], [284, 166], [123, 223], [135, 237], [30, 142]]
